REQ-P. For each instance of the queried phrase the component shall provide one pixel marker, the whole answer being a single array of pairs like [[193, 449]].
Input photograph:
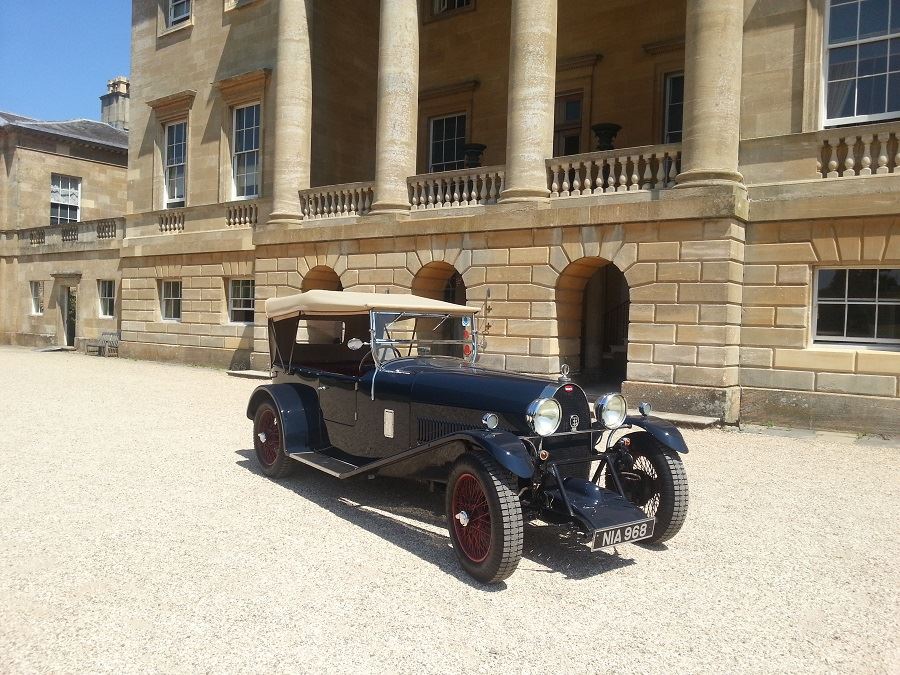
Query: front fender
[[662, 430], [298, 409], [508, 449]]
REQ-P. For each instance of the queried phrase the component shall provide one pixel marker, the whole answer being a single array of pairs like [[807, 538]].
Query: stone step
[[684, 421]]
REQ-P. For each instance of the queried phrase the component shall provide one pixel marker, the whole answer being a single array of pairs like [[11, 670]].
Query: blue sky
[[55, 56]]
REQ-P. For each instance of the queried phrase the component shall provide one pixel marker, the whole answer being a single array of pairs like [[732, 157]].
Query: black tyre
[[657, 483], [484, 516], [268, 441]]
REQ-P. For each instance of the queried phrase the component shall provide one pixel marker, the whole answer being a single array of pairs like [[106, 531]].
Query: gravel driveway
[[137, 536]]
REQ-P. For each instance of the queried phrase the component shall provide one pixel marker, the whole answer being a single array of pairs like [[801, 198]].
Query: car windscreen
[[408, 334]]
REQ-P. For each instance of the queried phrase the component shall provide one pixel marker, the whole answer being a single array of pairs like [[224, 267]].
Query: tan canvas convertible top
[[325, 303]]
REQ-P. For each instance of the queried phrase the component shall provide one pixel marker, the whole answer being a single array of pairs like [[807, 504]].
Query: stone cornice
[[664, 46], [173, 105], [244, 87], [582, 61], [449, 90]]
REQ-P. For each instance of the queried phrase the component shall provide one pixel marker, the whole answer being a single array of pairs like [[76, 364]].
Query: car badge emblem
[[574, 421]]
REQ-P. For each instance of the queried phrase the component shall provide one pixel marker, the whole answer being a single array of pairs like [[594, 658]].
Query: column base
[[705, 177], [514, 195], [385, 208], [284, 218]]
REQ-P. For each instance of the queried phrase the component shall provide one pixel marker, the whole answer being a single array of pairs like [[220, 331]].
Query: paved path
[[137, 536]]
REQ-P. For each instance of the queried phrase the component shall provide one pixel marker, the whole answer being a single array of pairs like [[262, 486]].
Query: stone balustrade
[[650, 167], [84, 233], [241, 214], [171, 221], [859, 151], [337, 201], [465, 187], [106, 229]]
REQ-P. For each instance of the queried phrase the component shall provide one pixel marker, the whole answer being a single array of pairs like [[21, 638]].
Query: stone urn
[[606, 134], [472, 153]]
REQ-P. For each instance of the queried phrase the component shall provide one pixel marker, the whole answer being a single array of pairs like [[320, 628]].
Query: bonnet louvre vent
[[430, 429]]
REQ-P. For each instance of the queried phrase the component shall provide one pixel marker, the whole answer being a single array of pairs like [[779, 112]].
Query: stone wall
[[785, 376], [204, 335]]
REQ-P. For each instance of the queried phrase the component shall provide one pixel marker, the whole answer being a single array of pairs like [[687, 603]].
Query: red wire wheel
[[471, 518], [268, 437], [484, 517]]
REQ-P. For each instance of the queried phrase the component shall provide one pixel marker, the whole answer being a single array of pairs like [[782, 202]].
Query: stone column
[[532, 94], [398, 104], [712, 92], [293, 109]]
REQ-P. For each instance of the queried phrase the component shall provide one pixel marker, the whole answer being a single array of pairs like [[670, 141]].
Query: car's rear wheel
[[268, 441], [484, 516], [657, 483]]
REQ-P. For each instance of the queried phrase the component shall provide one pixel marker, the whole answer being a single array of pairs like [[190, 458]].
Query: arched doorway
[[592, 311], [442, 281], [321, 278]]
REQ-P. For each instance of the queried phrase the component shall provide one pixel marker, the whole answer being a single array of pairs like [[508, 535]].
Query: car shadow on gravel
[[406, 514]]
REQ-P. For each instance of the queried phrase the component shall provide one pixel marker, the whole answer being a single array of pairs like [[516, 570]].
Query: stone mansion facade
[[697, 200]]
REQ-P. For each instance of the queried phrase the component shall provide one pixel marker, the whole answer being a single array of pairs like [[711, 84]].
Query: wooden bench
[[107, 345]]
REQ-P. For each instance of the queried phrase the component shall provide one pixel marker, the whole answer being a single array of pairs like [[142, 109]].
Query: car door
[[383, 420]]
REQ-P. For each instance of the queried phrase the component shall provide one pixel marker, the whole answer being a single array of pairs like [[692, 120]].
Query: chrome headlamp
[[544, 416], [611, 410]]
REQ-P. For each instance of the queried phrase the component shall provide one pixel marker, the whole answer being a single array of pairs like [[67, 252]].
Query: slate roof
[[90, 132]]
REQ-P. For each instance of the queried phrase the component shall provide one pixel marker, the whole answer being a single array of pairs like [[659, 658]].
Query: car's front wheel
[[484, 516], [657, 483], [268, 441]]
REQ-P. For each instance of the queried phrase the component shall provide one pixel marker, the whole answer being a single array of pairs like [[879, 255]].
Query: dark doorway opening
[[70, 314]]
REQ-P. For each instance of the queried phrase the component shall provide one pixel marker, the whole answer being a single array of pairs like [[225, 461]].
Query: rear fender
[[662, 430], [508, 449], [298, 411]]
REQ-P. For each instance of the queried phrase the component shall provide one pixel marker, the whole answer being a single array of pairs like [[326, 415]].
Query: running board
[[341, 469], [330, 465]]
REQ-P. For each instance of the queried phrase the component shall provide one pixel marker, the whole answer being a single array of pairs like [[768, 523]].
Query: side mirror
[[355, 344]]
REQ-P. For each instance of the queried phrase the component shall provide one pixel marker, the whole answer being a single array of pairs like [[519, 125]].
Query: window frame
[[826, 66], [164, 298], [836, 341], [563, 129], [37, 299], [171, 20], [232, 308], [169, 203], [429, 155], [431, 15], [667, 94], [77, 181], [101, 298], [257, 150]]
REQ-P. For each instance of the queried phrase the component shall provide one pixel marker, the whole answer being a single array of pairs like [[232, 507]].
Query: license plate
[[612, 536]]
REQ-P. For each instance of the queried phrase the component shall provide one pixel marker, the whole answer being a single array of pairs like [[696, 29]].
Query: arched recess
[[442, 281], [321, 278], [592, 302]]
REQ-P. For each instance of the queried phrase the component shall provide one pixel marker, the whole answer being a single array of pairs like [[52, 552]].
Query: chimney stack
[[114, 103]]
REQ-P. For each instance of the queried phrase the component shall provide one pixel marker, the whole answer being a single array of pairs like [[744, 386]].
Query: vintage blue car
[[376, 384]]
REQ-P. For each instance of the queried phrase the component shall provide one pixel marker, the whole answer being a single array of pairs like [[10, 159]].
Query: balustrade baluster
[[623, 178], [850, 161], [635, 179], [866, 160], [564, 192], [611, 178], [554, 180], [882, 153], [673, 168], [576, 179], [588, 171]]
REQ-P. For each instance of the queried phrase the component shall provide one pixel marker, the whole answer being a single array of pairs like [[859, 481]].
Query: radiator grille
[[573, 402]]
